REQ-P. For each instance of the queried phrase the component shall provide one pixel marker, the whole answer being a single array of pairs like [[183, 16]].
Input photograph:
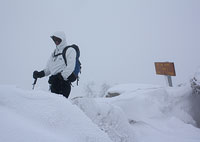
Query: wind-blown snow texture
[[141, 113]]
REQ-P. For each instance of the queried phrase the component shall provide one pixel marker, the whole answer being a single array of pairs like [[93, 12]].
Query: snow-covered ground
[[141, 113], [36, 116]]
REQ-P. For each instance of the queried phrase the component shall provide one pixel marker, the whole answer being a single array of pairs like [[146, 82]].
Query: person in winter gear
[[61, 73]]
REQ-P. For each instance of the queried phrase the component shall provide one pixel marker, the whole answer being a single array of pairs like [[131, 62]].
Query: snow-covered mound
[[141, 113], [36, 116], [110, 118], [146, 113], [154, 101], [160, 114]]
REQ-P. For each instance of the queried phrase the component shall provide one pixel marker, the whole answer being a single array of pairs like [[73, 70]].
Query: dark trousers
[[62, 87]]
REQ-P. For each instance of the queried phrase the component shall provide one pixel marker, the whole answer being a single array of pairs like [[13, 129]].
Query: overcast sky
[[119, 39]]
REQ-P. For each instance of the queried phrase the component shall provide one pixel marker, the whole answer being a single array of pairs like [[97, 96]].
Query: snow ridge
[[110, 118], [39, 116]]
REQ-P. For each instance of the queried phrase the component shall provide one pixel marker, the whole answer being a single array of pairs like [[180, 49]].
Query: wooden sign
[[165, 68]]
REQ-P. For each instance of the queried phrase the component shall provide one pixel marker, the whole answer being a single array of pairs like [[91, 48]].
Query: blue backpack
[[77, 69]]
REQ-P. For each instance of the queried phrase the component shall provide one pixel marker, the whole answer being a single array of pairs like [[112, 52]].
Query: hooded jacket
[[57, 64]]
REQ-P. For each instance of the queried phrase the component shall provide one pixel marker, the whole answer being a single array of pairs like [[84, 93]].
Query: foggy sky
[[119, 39]]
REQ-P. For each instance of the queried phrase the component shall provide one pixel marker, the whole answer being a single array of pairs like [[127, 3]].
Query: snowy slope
[[141, 113], [36, 116], [161, 114], [146, 113]]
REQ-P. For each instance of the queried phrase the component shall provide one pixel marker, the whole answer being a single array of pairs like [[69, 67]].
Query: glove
[[37, 74], [55, 79]]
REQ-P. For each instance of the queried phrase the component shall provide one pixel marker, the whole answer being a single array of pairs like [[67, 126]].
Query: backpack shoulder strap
[[63, 54], [75, 47], [77, 50], [56, 55]]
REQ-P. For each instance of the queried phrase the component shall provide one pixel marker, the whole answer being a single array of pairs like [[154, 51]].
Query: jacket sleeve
[[71, 62], [46, 70]]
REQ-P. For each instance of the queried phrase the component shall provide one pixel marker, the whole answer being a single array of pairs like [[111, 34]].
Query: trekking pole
[[34, 83]]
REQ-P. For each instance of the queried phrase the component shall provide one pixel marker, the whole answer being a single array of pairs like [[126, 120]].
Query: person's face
[[56, 40]]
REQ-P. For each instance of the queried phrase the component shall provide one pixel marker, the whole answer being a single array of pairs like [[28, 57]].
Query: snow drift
[[43, 117], [146, 113], [141, 113]]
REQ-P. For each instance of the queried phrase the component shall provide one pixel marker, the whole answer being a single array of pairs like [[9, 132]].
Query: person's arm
[[46, 70], [42, 73], [71, 62]]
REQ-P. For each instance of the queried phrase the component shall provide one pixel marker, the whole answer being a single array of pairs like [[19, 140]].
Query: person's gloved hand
[[56, 79], [37, 74]]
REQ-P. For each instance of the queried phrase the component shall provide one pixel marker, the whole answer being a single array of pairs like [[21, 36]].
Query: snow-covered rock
[[195, 82]]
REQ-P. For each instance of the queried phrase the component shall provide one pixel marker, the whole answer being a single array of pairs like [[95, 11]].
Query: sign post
[[167, 69], [169, 79]]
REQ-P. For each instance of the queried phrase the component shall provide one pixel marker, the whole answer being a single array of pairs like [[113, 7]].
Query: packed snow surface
[[141, 113]]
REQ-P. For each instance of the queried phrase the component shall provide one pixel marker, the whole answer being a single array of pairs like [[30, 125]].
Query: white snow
[[36, 116], [141, 113], [161, 114]]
